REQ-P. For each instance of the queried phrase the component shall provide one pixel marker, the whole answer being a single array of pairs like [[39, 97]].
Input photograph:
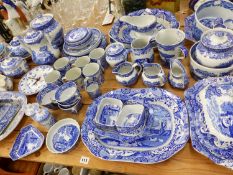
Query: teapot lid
[[218, 38], [33, 37], [42, 21], [76, 34], [11, 63], [114, 49]]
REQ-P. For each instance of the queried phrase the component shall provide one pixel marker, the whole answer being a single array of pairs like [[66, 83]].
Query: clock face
[[33, 82]]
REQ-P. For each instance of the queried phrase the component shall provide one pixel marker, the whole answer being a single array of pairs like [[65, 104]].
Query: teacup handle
[[73, 65], [63, 79], [161, 77], [184, 52], [135, 65]]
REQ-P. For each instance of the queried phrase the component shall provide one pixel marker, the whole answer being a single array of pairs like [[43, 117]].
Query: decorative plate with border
[[176, 128], [33, 82]]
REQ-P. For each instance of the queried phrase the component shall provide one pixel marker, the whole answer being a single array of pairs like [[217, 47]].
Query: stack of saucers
[[210, 103], [81, 41]]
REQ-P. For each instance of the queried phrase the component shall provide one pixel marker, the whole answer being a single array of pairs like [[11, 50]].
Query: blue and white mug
[[93, 72], [62, 65], [92, 88], [170, 43], [98, 56], [54, 77], [142, 50]]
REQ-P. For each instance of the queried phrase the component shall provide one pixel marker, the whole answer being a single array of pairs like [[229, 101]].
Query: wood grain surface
[[185, 162]]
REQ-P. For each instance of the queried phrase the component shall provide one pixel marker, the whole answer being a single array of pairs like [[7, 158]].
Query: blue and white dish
[[116, 53], [46, 97], [33, 82], [167, 120], [131, 120], [14, 66], [17, 50], [12, 121], [215, 49], [63, 136], [94, 43], [177, 76], [199, 71], [164, 19], [67, 93], [27, 142], [210, 129], [107, 113]]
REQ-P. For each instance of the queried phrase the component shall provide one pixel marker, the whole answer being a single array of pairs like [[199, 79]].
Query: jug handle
[[184, 52], [136, 65]]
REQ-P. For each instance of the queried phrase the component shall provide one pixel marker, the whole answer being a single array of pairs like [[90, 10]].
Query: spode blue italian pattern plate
[[167, 128]]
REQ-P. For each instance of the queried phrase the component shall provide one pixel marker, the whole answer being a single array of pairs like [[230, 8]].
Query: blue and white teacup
[[153, 75], [170, 43], [54, 77], [98, 56], [92, 88], [72, 108], [62, 65], [67, 93], [93, 72], [75, 75], [141, 50]]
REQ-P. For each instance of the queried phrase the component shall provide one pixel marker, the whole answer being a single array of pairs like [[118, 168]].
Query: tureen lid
[[218, 38], [41, 21], [115, 49], [33, 36], [76, 34], [11, 63]]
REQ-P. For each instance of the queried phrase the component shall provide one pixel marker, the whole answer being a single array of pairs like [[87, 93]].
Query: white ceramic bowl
[[201, 71], [63, 136]]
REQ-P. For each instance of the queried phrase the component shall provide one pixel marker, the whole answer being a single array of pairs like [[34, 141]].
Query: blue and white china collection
[[140, 125]]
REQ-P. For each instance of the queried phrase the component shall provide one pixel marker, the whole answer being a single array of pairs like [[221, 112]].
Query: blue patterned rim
[[41, 21]]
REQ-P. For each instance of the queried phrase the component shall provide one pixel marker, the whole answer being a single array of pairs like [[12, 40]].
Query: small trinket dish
[[107, 113], [131, 120], [29, 140], [63, 136]]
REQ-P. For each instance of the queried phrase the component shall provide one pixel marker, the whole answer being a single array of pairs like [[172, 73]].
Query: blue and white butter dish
[[131, 120], [29, 140], [107, 113], [63, 136]]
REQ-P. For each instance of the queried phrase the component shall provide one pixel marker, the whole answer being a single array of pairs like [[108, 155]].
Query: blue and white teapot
[[40, 48]]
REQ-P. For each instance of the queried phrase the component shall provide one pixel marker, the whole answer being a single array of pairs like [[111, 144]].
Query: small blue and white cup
[[93, 72], [72, 108], [75, 75], [81, 62], [142, 51], [53, 77], [92, 88], [62, 65], [170, 43], [98, 56]]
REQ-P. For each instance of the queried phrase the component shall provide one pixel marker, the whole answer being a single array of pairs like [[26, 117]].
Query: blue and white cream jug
[[40, 48]]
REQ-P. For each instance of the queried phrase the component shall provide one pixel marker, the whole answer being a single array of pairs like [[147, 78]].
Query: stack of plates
[[210, 104], [81, 41]]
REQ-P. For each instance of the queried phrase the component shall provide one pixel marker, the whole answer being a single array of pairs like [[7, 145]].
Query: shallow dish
[[172, 125], [27, 142], [33, 82], [107, 113], [63, 136]]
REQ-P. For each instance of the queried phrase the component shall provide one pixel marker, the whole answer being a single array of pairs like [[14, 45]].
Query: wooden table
[[185, 162]]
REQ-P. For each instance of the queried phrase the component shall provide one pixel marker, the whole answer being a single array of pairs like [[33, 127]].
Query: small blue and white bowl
[[131, 120], [63, 136], [46, 97], [67, 93], [107, 113]]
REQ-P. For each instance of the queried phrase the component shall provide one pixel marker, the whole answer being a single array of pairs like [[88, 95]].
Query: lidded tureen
[[215, 49]]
